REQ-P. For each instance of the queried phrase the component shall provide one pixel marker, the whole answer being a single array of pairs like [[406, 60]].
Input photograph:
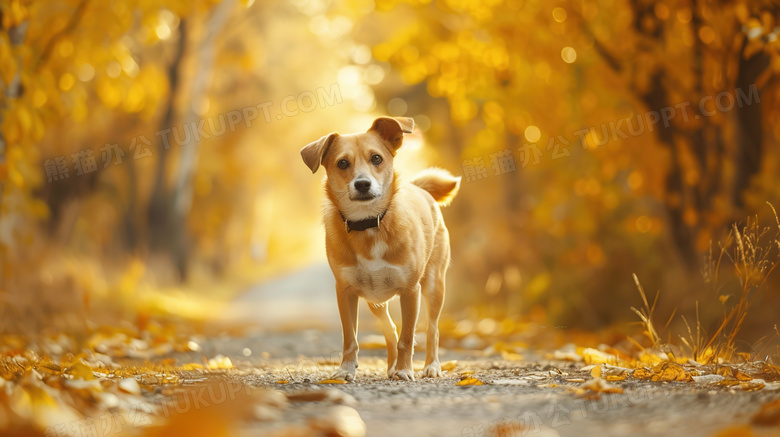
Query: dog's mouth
[[363, 197]]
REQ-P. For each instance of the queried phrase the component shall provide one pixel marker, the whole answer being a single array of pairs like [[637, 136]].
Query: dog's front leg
[[348, 304], [410, 309]]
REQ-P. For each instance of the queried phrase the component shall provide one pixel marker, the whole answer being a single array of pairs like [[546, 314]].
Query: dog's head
[[359, 166]]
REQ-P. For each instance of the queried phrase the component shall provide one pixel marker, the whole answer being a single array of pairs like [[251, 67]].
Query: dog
[[384, 237]]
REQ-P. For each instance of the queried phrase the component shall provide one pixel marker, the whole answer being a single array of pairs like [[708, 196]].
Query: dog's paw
[[391, 372], [345, 373], [404, 375], [432, 370]]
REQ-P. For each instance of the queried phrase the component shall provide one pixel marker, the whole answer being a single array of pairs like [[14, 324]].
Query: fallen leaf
[[328, 394], [340, 421], [282, 381], [595, 356], [730, 372], [596, 372], [751, 385], [643, 373], [511, 356], [768, 415], [220, 362], [80, 370], [129, 385], [333, 381], [219, 419], [670, 372], [449, 365], [469, 381], [708, 379], [616, 376], [595, 387]]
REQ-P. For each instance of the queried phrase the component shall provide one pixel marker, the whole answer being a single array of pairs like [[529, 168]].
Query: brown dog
[[384, 238]]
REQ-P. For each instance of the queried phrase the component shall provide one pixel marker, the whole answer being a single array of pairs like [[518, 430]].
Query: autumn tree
[[552, 83]]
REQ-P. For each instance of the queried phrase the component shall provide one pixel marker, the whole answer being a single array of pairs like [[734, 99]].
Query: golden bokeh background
[[149, 161]]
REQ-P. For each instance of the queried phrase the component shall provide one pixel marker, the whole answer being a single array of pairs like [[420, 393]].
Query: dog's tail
[[442, 185]]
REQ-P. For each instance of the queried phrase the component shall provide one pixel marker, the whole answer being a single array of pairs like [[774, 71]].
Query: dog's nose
[[362, 185]]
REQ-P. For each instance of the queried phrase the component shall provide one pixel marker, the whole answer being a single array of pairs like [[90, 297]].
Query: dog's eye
[[376, 159], [343, 164]]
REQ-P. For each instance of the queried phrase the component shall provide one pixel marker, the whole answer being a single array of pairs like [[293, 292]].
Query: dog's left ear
[[312, 153], [392, 130]]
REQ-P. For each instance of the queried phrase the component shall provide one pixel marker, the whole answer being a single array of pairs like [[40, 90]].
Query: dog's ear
[[312, 153], [392, 130]]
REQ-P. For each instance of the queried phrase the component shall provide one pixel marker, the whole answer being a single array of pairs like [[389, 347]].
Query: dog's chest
[[376, 279]]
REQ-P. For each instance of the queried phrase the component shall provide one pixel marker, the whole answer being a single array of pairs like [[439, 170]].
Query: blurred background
[[149, 153]]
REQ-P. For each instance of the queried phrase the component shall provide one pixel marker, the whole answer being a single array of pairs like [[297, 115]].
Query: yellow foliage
[[332, 381], [469, 381]]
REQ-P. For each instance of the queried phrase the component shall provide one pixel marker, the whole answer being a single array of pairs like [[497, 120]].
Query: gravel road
[[532, 397]]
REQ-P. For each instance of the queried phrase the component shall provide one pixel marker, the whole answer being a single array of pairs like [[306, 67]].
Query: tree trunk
[[13, 90], [749, 132], [173, 206], [158, 220]]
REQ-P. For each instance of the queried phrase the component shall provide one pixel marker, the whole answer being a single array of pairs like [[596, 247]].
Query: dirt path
[[529, 397], [532, 396]]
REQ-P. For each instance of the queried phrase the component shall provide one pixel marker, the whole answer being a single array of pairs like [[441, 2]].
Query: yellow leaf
[[511, 356], [284, 381], [615, 376], [333, 381], [595, 356], [220, 362], [449, 365], [751, 386], [80, 371], [469, 381], [192, 366], [669, 372], [643, 373], [596, 372], [598, 385]]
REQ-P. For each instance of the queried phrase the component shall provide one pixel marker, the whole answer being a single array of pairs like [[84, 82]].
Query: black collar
[[362, 225]]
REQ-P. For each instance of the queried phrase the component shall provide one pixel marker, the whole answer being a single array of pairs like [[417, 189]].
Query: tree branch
[[74, 20]]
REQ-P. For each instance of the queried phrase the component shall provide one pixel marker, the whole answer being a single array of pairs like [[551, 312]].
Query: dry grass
[[646, 314], [753, 252]]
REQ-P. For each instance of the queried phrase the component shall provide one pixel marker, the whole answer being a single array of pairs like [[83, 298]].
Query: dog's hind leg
[[381, 311]]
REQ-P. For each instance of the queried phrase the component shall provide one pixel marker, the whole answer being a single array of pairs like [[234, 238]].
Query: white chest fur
[[376, 279]]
